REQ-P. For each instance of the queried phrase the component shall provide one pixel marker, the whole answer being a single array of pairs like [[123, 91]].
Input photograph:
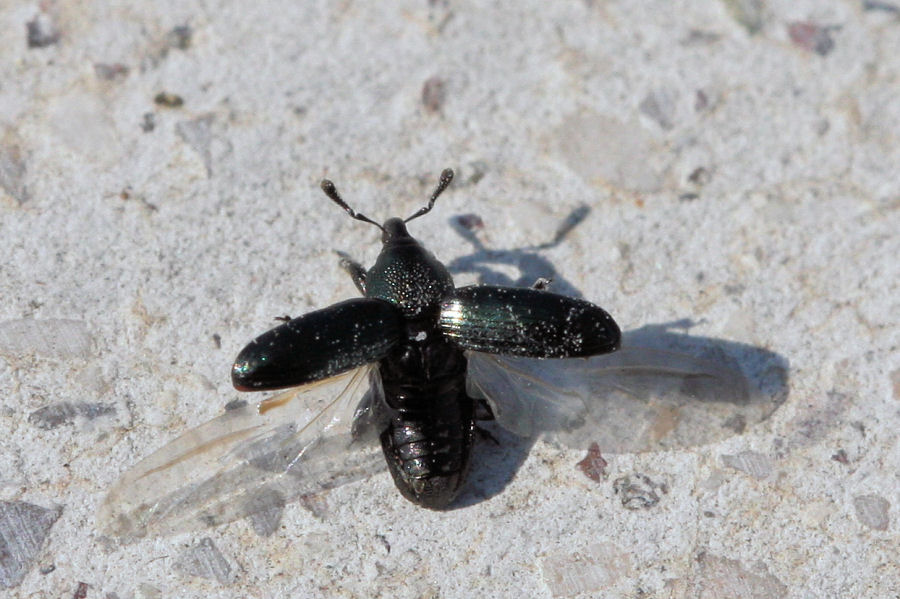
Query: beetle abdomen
[[428, 459], [428, 440]]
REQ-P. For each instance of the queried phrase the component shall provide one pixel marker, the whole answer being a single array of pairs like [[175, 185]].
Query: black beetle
[[402, 374], [417, 326]]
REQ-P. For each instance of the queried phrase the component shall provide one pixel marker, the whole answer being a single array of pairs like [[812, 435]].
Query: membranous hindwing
[[252, 458], [633, 400]]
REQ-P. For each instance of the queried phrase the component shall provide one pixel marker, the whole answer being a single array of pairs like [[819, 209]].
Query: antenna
[[332, 192], [446, 177]]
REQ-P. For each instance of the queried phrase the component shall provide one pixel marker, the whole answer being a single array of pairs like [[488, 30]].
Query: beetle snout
[[394, 230]]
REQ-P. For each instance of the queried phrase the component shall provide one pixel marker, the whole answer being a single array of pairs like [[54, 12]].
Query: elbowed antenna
[[446, 177], [332, 192]]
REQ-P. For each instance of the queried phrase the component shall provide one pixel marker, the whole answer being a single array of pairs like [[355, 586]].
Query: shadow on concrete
[[717, 388]]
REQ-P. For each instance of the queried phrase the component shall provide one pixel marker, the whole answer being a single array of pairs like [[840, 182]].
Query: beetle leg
[[483, 410], [542, 284], [486, 435], [356, 271]]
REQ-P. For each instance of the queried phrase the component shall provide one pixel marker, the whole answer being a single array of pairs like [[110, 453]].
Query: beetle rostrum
[[417, 327]]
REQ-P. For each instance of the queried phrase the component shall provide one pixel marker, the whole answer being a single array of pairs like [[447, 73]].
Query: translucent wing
[[635, 399], [251, 459]]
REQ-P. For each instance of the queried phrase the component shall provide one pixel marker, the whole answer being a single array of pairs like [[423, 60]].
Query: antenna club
[[332, 193], [443, 183]]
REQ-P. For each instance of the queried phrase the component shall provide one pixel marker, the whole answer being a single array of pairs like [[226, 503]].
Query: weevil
[[400, 376], [416, 325]]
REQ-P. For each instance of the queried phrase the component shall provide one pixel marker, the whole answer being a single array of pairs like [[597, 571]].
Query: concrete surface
[[159, 206]]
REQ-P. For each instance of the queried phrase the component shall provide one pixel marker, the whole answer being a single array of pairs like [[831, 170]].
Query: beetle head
[[393, 232]]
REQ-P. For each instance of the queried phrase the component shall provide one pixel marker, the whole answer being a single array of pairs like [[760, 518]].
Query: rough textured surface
[[728, 169], [205, 561], [23, 529]]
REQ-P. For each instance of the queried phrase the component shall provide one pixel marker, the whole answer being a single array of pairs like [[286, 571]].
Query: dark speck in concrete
[[168, 99], [434, 92], [41, 32], [638, 491], [148, 122], [593, 465], [812, 37], [65, 412], [180, 37], [876, 5]]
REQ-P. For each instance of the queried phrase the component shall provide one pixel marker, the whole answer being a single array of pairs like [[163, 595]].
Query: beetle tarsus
[[542, 284]]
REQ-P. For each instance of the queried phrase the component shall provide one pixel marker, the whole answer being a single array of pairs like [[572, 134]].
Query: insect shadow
[[527, 260], [632, 408]]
